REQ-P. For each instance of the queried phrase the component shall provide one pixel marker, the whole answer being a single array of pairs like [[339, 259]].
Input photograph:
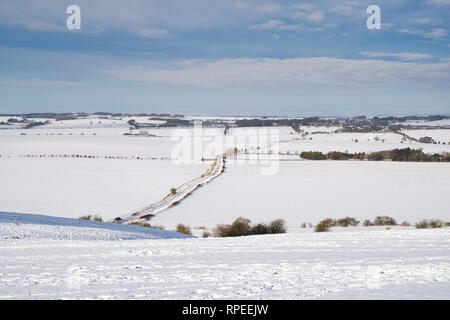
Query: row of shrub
[[90, 157], [91, 218], [431, 224], [380, 221], [326, 224], [241, 227], [147, 225], [406, 154]]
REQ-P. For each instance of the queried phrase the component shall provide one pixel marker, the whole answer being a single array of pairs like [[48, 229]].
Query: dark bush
[[206, 234], [347, 221], [92, 218], [325, 225], [221, 230], [437, 223], [260, 228], [423, 224], [97, 218], [277, 226], [430, 224], [384, 221], [426, 140], [240, 227], [336, 155], [367, 223], [313, 155], [181, 228], [375, 156]]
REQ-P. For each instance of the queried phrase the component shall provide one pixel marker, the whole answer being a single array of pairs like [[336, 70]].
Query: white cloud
[[350, 9], [152, 32], [437, 33], [38, 82], [282, 72], [270, 8], [438, 2], [149, 18], [304, 6], [308, 12], [407, 56], [429, 21], [276, 25], [269, 25]]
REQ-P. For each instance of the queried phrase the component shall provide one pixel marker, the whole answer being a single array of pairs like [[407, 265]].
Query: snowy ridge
[[359, 263], [17, 226]]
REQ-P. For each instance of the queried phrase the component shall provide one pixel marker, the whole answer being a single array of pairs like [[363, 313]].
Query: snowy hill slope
[[355, 264], [38, 227]]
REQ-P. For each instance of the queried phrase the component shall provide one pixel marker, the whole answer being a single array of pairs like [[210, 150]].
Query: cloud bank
[[288, 72]]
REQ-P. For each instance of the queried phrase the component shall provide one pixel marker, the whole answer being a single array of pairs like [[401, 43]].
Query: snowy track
[[174, 198], [354, 263]]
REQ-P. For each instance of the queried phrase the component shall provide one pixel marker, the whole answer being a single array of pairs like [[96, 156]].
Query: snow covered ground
[[75, 187], [445, 122], [57, 258], [361, 263], [439, 135], [97, 142], [309, 191], [357, 142], [19, 226]]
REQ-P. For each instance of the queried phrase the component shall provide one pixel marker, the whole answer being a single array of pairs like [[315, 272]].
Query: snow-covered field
[[75, 187], [355, 263], [439, 135], [58, 258], [309, 191], [357, 142], [445, 122], [95, 142]]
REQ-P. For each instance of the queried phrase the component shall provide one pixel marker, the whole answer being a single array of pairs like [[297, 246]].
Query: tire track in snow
[[181, 192]]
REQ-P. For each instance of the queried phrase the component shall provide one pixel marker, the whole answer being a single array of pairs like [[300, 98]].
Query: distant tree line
[[293, 123], [326, 224], [406, 154]]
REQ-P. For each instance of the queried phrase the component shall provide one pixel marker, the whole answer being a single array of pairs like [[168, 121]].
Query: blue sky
[[246, 57]]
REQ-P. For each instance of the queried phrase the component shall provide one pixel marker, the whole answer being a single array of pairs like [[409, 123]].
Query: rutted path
[[174, 198]]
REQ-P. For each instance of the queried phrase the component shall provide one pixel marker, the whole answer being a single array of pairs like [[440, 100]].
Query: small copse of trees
[[406, 155], [430, 224], [241, 227], [326, 224]]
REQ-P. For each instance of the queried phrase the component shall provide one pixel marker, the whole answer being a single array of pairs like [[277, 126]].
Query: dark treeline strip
[[406, 154]]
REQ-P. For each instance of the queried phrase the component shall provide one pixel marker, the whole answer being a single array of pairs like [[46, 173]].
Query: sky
[[226, 57]]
